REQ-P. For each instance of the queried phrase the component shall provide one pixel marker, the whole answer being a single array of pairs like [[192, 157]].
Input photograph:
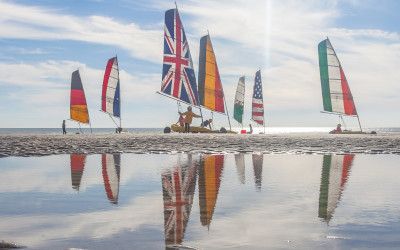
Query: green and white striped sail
[[239, 101], [336, 94]]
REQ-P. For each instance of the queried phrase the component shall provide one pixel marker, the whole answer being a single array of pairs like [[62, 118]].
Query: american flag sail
[[178, 78], [178, 186], [257, 113]]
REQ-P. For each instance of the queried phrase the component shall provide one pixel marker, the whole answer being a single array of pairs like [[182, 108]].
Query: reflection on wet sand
[[178, 184], [335, 173], [77, 162], [240, 167], [210, 173], [111, 174], [257, 168]]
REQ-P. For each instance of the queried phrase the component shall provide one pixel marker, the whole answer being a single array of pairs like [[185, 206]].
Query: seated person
[[338, 129], [206, 123]]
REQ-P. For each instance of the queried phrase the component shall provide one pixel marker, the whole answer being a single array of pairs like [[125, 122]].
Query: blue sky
[[42, 42]]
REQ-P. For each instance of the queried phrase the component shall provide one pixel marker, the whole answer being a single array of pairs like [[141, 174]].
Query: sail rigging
[[335, 173], [239, 101], [78, 106], [336, 94], [178, 186], [210, 174], [257, 112], [111, 169], [77, 164], [178, 78], [110, 95], [211, 94]]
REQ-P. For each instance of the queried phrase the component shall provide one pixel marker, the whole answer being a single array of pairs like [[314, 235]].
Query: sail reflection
[[257, 168], [178, 184], [240, 167], [77, 163], [335, 172], [210, 172], [111, 175]]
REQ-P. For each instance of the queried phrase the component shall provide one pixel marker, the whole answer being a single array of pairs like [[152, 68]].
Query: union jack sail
[[178, 78], [178, 186], [258, 103]]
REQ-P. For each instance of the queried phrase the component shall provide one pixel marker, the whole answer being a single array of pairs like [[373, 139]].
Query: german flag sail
[[209, 182], [211, 94], [78, 106], [336, 94], [335, 172]]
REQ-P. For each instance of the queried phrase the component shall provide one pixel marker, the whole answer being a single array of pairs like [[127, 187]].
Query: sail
[[77, 164], [78, 107], [111, 171], [239, 101], [257, 112], [336, 94], [178, 78], [209, 182], [335, 172], [110, 95], [240, 167], [178, 185], [211, 94], [257, 167]]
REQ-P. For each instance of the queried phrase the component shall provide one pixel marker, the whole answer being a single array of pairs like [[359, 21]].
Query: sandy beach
[[38, 145]]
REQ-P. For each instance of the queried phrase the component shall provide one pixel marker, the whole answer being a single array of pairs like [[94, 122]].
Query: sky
[[42, 42]]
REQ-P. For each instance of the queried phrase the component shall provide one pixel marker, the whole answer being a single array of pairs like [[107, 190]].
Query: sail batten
[[336, 94], [78, 105], [211, 94], [110, 97], [239, 101]]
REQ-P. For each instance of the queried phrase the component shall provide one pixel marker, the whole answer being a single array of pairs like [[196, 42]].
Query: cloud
[[39, 23]]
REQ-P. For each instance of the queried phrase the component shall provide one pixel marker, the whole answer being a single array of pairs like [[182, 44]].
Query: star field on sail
[[178, 78], [111, 168], [257, 112], [336, 94], [178, 186], [78, 107], [110, 95], [335, 173], [77, 164], [239, 101]]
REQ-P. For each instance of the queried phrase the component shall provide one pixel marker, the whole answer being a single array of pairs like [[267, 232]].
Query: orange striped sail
[[211, 94], [78, 106], [209, 182]]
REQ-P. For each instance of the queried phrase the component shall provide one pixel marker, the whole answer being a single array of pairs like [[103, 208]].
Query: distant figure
[[188, 118], [63, 128], [251, 129], [206, 123], [338, 129], [118, 130]]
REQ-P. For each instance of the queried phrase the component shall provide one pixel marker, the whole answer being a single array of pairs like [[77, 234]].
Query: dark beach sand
[[38, 145]]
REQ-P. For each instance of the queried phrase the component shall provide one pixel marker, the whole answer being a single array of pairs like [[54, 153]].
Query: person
[[63, 128], [188, 118], [181, 120], [338, 129], [206, 123], [251, 129]]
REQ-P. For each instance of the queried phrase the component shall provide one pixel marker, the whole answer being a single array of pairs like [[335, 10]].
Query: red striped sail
[[111, 172], [77, 162], [257, 113]]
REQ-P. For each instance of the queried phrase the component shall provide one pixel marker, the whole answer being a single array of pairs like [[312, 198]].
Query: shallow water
[[240, 201]]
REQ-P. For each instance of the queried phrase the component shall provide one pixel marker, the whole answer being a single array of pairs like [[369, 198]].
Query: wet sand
[[38, 145]]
